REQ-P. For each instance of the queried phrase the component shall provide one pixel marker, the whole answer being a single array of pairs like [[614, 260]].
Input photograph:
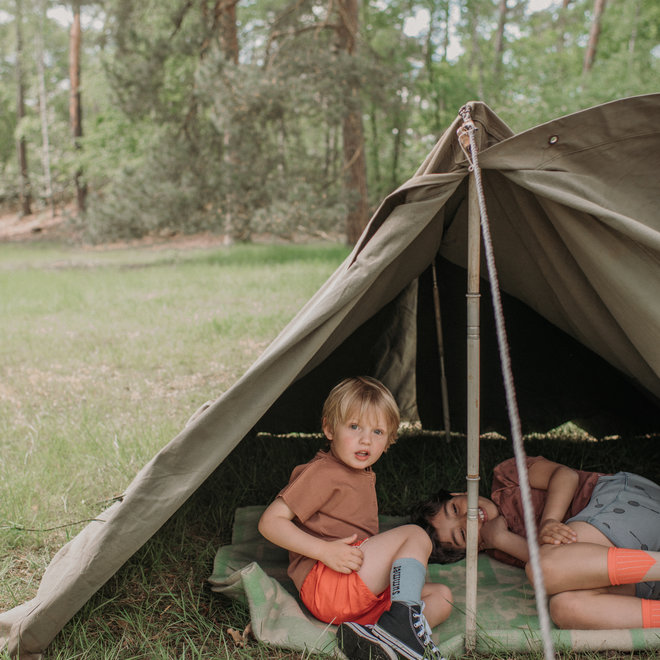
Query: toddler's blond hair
[[355, 396]]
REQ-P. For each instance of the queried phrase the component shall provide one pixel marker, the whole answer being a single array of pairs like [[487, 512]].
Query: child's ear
[[327, 430]]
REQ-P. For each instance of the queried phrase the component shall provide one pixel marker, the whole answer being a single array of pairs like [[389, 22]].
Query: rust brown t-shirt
[[331, 501], [505, 492]]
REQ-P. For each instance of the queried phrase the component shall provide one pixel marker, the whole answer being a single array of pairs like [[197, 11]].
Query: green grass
[[104, 355]]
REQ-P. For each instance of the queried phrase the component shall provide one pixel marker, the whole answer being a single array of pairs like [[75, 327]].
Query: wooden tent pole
[[441, 353], [473, 390]]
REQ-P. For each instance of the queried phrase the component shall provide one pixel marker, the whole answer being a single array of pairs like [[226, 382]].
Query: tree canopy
[[282, 116]]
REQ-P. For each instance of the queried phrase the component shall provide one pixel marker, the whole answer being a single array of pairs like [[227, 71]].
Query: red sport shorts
[[335, 597]]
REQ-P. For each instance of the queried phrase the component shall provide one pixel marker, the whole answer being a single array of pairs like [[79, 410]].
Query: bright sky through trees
[[418, 23]]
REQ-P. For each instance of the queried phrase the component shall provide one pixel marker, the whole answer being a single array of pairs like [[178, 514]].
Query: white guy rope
[[512, 405]]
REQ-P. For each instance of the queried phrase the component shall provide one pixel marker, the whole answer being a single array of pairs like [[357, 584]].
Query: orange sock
[[650, 613], [626, 566]]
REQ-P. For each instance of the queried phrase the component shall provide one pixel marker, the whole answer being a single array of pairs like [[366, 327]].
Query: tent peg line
[[478, 216]]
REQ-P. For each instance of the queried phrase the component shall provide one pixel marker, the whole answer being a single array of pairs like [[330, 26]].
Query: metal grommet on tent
[[553, 139]]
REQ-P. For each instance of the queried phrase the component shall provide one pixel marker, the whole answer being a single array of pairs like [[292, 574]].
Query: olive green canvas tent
[[574, 215]]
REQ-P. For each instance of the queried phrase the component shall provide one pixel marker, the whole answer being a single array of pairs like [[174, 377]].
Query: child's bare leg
[[380, 551], [438, 603], [587, 564], [398, 558], [596, 609], [572, 566]]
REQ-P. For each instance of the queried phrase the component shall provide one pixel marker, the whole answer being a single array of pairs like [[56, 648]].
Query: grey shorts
[[626, 509]]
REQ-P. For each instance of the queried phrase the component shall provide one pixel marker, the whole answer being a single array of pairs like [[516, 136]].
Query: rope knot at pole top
[[466, 133], [466, 112]]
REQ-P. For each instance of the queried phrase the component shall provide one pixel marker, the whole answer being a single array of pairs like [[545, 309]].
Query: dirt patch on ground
[[15, 227], [44, 225]]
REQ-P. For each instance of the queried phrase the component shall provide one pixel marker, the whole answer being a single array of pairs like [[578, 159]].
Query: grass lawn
[[105, 354]]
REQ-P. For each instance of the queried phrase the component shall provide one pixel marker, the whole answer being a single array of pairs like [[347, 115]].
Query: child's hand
[[554, 532], [343, 557]]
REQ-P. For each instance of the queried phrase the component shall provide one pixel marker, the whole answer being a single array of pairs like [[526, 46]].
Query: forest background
[[244, 117]]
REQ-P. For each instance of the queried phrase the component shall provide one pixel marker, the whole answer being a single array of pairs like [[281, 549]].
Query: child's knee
[[564, 608], [552, 570], [437, 590], [439, 602], [419, 537], [445, 593]]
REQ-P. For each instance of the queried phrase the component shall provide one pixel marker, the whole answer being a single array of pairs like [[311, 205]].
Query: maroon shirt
[[505, 492]]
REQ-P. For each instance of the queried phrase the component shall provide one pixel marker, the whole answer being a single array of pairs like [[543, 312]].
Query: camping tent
[[573, 207]]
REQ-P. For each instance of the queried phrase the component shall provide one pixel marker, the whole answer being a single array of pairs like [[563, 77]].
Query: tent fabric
[[573, 209]]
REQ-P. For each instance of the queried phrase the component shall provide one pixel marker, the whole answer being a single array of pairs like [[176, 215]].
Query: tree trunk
[[21, 146], [633, 34], [43, 113], [445, 38], [594, 34], [499, 38], [396, 151], [225, 13], [375, 150], [235, 223], [429, 50], [75, 105], [355, 167], [561, 25], [475, 63], [355, 176]]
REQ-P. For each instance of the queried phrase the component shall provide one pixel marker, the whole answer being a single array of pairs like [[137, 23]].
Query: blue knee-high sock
[[407, 579]]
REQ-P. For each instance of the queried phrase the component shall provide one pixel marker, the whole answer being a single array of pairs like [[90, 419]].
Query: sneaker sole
[[401, 649], [357, 643]]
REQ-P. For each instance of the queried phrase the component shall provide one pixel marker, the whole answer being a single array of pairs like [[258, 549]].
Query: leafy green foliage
[[178, 137]]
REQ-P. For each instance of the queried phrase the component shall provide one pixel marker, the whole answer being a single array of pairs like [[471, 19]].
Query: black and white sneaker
[[358, 643], [405, 629]]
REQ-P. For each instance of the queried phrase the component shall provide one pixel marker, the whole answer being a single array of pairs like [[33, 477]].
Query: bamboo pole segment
[[441, 353], [473, 391], [478, 223]]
